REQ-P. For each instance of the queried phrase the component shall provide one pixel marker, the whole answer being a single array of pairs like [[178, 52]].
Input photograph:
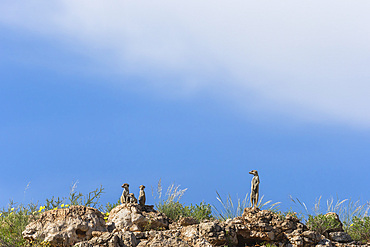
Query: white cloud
[[307, 58]]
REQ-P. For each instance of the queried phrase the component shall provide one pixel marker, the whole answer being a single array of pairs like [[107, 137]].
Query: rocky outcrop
[[132, 225], [133, 217], [67, 226]]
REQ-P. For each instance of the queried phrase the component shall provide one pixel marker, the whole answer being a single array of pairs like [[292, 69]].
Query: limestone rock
[[111, 239], [181, 237], [324, 243], [187, 221], [311, 237], [162, 239], [265, 226], [134, 217], [67, 226], [218, 234], [341, 237]]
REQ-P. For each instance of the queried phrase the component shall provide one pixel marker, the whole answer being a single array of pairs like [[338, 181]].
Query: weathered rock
[[67, 226], [183, 236], [295, 239], [187, 221], [311, 237], [341, 237], [165, 239], [265, 226], [218, 234], [134, 217], [324, 243], [111, 239]]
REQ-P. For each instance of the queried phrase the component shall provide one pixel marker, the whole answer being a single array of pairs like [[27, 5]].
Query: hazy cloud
[[310, 59]]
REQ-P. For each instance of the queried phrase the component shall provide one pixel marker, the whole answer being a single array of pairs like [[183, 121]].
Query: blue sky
[[187, 92]]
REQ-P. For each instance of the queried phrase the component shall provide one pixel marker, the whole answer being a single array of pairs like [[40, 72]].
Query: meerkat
[[132, 198], [254, 188], [142, 197], [125, 193]]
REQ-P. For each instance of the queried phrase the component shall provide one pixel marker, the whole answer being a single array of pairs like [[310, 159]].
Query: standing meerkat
[[125, 194], [142, 197], [254, 188]]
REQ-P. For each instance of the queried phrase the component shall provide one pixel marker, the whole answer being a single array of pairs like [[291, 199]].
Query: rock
[[341, 237], [66, 226], [111, 239], [265, 226], [296, 241], [311, 237], [185, 236], [324, 243], [165, 240], [217, 233], [187, 221], [134, 217]]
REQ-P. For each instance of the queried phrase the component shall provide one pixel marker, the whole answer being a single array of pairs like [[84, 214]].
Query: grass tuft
[[231, 210], [173, 209], [353, 215]]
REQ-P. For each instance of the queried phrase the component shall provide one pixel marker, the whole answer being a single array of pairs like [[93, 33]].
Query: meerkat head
[[254, 172], [142, 187], [125, 185], [131, 194]]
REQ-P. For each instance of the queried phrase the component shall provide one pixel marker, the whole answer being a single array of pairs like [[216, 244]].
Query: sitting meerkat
[[142, 198], [132, 198], [125, 194]]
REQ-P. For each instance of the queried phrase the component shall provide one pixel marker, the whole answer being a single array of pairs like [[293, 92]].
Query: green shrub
[[176, 210], [360, 229], [173, 210], [13, 221], [199, 212], [322, 223]]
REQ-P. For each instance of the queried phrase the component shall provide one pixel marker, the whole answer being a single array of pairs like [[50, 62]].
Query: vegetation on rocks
[[169, 205], [353, 215], [321, 223], [360, 229]]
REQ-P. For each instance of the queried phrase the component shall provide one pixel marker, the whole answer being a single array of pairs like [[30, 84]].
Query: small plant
[[289, 213], [322, 223], [91, 199], [268, 245], [360, 229], [109, 206], [173, 209]]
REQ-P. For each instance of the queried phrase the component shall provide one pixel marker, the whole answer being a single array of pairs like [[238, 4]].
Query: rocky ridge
[[132, 225]]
